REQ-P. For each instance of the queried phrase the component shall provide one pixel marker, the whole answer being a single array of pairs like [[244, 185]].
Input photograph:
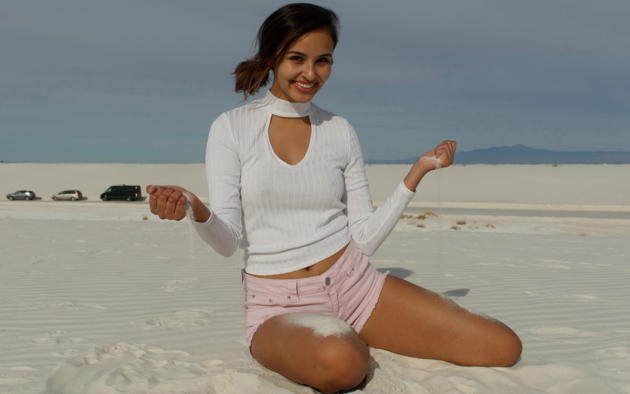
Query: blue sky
[[141, 80]]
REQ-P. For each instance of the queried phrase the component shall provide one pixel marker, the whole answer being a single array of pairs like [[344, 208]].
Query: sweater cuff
[[404, 191], [207, 222]]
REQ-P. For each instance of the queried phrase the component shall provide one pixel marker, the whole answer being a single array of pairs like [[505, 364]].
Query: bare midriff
[[312, 270]]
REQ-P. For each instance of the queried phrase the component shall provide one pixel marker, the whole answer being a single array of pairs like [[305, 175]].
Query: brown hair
[[275, 36]]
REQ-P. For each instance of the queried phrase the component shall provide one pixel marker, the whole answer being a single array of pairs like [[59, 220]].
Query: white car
[[68, 195]]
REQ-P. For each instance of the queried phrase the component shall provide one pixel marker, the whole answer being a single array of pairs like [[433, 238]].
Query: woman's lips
[[304, 86]]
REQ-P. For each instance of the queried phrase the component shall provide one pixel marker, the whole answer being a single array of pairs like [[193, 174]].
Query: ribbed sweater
[[287, 217]]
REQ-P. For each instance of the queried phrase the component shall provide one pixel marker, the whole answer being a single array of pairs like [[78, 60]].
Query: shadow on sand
[[401, 273]]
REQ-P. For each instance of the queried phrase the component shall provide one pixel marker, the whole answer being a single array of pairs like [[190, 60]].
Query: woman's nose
[[309, 71]]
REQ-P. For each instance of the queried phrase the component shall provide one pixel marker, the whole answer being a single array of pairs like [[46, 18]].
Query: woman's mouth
[[304, 87]]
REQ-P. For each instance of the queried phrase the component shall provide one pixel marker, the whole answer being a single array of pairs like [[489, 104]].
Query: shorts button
[[327, 281]]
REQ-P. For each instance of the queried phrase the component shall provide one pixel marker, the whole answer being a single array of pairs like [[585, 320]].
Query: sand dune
[[104, 298], [538, 185]]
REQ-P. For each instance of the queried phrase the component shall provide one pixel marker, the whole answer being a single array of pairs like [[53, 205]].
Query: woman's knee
[[511, 348], [343, 362], [506, 348]]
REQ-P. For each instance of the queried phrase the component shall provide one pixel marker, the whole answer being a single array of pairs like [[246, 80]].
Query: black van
[[122, 192]]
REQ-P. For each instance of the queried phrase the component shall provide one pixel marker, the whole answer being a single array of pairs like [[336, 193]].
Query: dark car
[[122, 192], [22, 195], [72, 195]]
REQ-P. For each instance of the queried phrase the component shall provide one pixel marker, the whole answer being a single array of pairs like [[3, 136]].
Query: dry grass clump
[[420, 225], [490, 225], [406, 216], [461, 222], [426, 215], [455, 228]]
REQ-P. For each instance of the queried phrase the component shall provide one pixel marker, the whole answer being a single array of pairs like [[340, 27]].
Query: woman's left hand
[[441, 156]]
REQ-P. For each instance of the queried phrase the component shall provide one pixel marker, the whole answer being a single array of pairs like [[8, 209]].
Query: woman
[[287, 184]]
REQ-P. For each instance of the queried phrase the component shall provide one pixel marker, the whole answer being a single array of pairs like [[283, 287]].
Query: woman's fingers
[[452, 147], [167, 202], [152, 203], [445, 151], [162, 197], [154, 198], [180, 210], [172, 204]]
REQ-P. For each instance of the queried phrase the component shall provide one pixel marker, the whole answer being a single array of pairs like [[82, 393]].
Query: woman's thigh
[[416, 322], [329, 363]]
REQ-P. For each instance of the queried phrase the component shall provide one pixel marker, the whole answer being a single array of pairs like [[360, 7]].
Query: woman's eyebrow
[[304, 54]]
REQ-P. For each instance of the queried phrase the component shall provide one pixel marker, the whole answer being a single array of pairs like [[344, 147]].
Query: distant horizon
[[397, 160]]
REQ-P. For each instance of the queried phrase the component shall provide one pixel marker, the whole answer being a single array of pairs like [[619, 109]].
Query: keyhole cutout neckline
[[298, 149], [291, 142]]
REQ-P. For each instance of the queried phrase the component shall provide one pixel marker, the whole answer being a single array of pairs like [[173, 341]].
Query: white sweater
[[287, 217]]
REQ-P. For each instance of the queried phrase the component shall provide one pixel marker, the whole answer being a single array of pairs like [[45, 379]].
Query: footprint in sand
[[495, 264], [622, 352], [179, 284], [585, 297], [56, 337], [44, 259], [181, 319], [561, 332], [22, 368], [552, 264], [65, 353], [66, 305]]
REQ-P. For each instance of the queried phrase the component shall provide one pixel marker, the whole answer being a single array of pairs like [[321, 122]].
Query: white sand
[[96, 299]]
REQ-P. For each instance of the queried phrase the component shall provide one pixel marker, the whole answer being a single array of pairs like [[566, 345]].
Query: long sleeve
[[369, 227], [224, 230]]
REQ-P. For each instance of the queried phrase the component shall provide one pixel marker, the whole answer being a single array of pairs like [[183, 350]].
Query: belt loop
[[292, 286]]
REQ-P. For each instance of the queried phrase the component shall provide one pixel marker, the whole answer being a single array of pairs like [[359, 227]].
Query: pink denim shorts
[[348, 291]]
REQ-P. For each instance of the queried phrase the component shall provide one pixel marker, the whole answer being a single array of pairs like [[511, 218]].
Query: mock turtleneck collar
[[286, 109]]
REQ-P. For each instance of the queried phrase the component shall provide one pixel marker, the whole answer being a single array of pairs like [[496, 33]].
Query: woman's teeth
[[304, 86]]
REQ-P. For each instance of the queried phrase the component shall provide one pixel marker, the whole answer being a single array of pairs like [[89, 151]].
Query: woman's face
[[304, 68]]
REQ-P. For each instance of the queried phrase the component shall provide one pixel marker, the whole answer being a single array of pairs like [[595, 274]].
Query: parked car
[[122, 192], [22, 195], [68, 195]]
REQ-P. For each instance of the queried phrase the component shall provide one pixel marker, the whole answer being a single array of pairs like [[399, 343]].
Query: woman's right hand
[[169, 202]]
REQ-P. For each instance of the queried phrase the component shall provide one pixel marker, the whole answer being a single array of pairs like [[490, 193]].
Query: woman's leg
[[416, 322], [329, 364]]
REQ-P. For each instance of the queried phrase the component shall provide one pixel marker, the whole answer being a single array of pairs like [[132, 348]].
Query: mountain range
[[521, 154]]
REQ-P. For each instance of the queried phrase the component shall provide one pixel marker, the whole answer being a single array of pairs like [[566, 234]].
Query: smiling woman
[[282, 29], [287, 184], [304, 68]]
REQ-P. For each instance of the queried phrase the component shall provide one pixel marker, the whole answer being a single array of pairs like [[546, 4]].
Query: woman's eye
[[325, 60], [295, 58]]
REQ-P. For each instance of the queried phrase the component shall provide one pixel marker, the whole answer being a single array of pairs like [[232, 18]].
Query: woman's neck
[[284, 108]]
